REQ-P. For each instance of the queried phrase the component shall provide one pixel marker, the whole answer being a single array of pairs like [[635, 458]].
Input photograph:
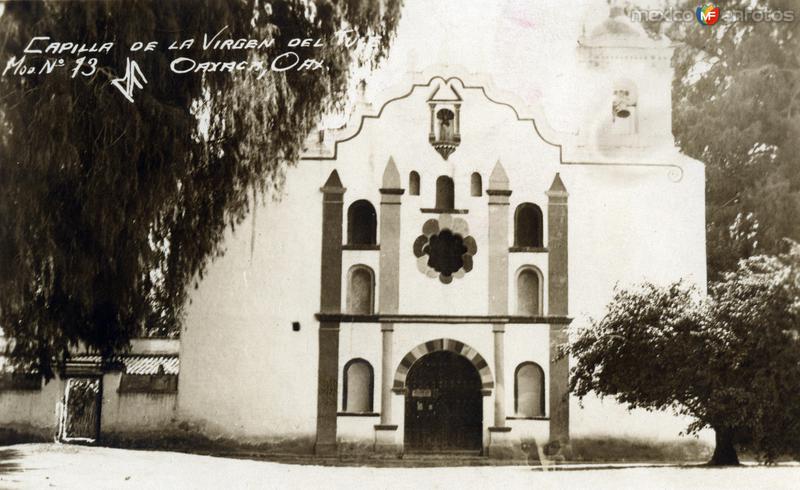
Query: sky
[[528, 47]]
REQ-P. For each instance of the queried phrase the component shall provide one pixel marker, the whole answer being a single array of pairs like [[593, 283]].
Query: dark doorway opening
[[444, 406], [80, 417]]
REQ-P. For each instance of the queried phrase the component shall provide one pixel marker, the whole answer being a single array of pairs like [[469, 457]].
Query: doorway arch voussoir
[[444, 344]]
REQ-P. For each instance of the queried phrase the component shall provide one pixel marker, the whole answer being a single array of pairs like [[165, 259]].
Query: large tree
[[109, 209], [731, 362], [736, 107]]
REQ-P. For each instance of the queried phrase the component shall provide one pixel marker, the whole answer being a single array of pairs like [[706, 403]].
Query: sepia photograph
[[400, 244]]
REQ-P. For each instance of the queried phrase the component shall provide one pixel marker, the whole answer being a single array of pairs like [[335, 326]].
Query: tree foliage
[[736, 107], [110, 208], [731, 361]]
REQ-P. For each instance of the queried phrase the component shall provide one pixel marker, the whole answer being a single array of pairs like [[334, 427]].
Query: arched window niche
[[362, 225], [360, 290], [476, 185], [445, 193], [529, 400], [528, 226], [358, 383], [413, 183], [529, 291]]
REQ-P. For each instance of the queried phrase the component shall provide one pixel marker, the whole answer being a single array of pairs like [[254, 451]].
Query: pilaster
[[498, 191], [330, 302], [557, 300], [389, 288]]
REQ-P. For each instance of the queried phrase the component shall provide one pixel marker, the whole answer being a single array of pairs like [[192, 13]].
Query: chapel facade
[[412, 288]]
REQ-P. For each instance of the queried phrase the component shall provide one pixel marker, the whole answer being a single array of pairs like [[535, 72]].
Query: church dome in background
[[618, 30]]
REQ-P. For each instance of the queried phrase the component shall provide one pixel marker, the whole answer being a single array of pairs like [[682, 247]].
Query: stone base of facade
[[326, 449], [500, 444], [558, 451], [386, 440]]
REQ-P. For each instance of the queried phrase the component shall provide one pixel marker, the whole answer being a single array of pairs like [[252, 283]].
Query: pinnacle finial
[[557, 187], [498, 180], [333, 182], [391, 176]]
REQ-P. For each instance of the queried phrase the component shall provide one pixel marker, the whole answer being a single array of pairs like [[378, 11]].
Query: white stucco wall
[[627, 226], [132, 413], [32, 412], [244, 372]]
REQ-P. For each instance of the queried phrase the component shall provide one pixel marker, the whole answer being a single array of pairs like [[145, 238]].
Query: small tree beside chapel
[[730, 360]]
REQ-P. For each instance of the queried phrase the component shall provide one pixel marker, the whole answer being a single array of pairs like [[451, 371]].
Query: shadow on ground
[[8, 461]]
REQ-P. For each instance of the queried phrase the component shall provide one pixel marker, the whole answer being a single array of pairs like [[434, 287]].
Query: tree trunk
[[724, 452]]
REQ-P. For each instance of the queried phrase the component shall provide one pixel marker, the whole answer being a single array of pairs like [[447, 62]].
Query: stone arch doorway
[[451, 345], [444, 406]]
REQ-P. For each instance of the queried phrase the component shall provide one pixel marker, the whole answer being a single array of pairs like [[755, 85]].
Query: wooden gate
[[444, 409], [80, 414]]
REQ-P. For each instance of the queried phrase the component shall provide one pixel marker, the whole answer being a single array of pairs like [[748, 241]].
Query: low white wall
[[35, 412], [31, 412], [134, 412]]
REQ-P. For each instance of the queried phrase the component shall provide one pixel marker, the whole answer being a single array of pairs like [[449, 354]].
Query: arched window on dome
[[413, 184], [357, 386], [445, 193], [529, 292], [476, 185], [361, 223], [529, 390], [360, 290], [528, 224]]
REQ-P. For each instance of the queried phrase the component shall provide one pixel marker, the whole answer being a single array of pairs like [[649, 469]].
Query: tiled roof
[[85, 359], [84, 365], [150, 364], [136, 363]]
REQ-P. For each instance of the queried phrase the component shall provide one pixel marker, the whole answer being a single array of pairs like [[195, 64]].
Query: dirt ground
[[59, 466]]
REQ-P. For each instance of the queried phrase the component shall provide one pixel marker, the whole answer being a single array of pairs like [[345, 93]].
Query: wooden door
[[444, 410]]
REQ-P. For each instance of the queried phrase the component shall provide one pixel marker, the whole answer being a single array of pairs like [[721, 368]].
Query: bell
[[621, 108]]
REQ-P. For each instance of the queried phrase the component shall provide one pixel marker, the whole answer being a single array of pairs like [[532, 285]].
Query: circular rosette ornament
[[445, 248]]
